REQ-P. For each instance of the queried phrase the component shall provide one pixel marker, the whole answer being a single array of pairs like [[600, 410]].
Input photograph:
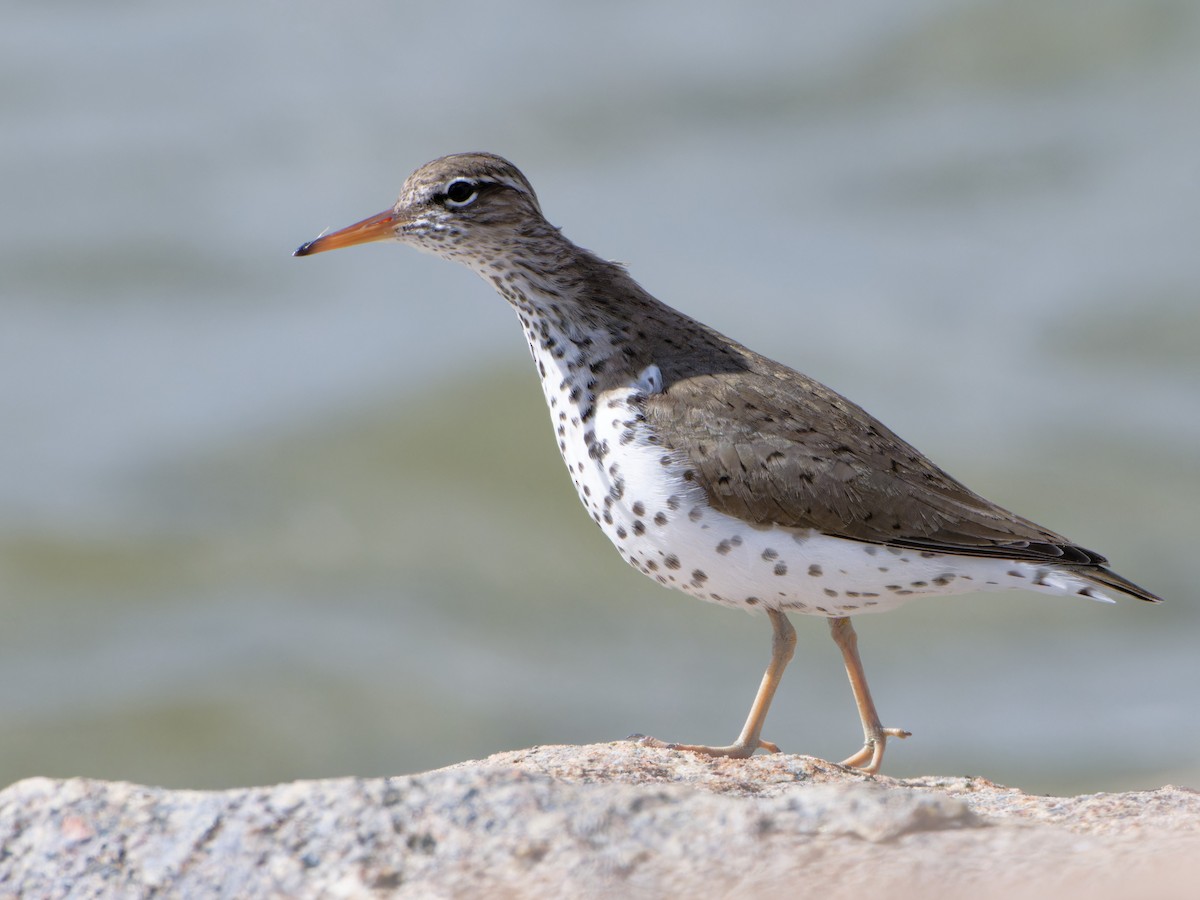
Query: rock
[[598, 821]]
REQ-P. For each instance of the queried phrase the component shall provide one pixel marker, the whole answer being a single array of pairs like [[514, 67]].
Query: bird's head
[[462, 207]]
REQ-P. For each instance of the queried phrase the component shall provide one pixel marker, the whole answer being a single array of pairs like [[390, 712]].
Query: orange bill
[[376, 228]]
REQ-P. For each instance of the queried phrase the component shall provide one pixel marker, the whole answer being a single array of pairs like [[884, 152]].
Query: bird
[[713, 469]]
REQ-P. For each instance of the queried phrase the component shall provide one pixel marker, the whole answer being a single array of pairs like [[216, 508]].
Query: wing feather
[[789, 451]]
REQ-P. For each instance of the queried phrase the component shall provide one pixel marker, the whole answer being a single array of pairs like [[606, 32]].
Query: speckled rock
[[596, 821]]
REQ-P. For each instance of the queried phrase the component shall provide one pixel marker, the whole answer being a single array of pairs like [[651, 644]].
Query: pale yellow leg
[[783, 645], [874, 734]]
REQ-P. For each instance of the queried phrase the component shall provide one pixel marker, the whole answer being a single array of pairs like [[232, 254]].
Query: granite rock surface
[[599, 821]]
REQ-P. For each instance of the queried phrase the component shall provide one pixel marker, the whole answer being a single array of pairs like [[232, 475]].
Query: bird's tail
[[1107, 579]]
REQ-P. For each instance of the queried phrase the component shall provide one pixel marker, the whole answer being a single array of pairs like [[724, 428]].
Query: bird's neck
[[583, 313]]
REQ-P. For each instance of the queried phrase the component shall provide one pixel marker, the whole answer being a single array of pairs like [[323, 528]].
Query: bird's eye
[[461, 192]]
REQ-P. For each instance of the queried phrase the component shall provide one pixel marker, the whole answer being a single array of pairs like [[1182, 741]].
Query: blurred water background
[[264, 518]]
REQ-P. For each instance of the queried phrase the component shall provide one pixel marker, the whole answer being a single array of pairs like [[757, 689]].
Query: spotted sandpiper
[[715, 470]]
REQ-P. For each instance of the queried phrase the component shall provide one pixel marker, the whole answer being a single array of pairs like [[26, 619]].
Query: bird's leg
[[874, 734], [783, 645]]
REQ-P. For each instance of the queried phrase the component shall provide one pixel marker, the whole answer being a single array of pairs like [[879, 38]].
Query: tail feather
[[1107, 578]]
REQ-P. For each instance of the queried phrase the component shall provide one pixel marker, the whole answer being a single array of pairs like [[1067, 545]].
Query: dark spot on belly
[[815, 571]]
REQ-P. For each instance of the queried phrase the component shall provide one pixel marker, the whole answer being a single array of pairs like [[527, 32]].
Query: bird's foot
[[740, 750], [872, 751]]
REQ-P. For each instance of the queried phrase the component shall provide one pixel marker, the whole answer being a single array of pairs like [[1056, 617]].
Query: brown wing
[[776, 447]]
